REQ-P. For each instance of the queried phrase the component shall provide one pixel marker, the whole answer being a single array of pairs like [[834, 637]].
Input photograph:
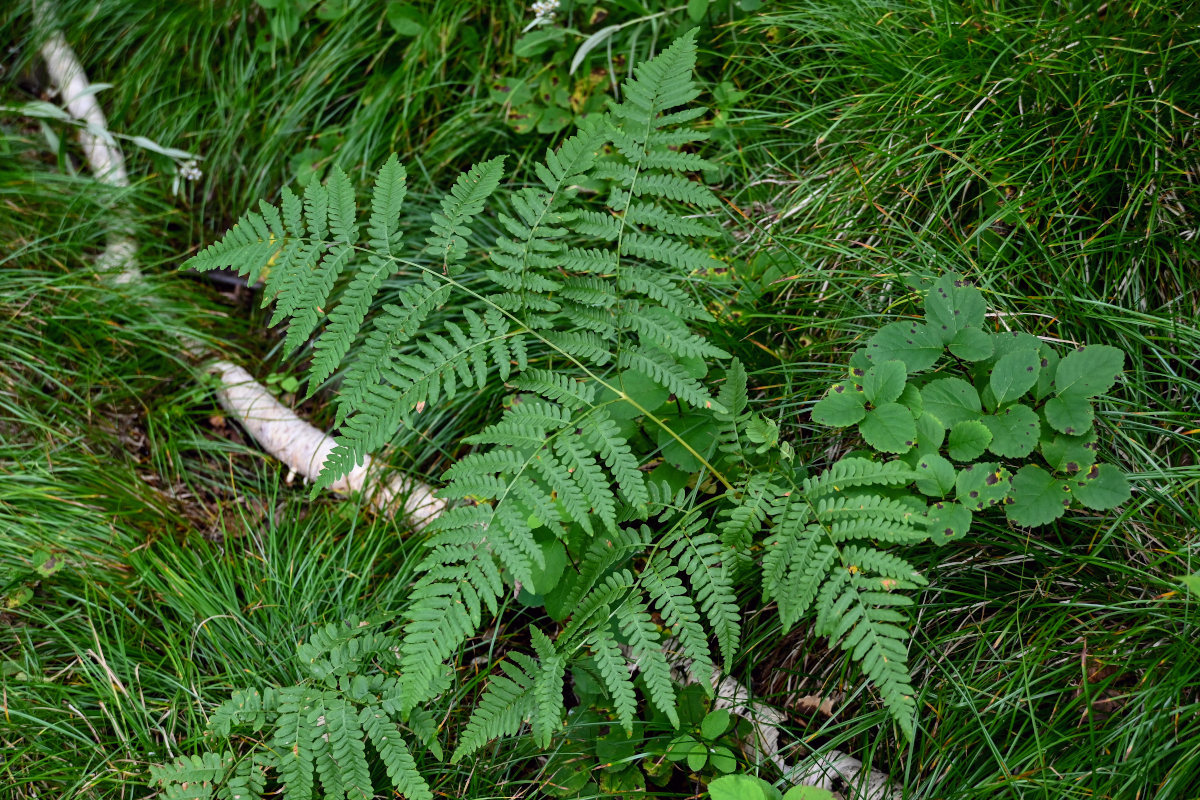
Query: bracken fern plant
[[617, 492]]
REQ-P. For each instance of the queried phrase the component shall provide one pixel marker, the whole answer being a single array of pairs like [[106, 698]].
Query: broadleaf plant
[[628, 487]]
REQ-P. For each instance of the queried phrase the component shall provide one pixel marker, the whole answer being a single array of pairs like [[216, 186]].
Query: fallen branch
[[277, 429]]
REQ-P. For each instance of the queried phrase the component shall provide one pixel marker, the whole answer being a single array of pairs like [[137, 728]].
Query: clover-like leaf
[[1088, 372], [1015, 431], [715, 723], [1014, 375], [1038, 498], [890, 428], [884, 382], [951, 400], [910, 398], [1070, 454], [843, 406], [1070, 415], [1102, 488], [948, 521], [742, 787], [982, 485], [953, 305], [968, 439], [1049, 364], [911, 342], [935, 475], [930, 433], [1012, 341], [972, 344]]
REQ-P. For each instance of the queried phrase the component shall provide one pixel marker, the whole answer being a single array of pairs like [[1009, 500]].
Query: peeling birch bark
[[276, 428], [304, 448]]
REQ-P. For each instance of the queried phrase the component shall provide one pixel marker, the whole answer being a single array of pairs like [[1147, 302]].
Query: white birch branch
[[276, 428]]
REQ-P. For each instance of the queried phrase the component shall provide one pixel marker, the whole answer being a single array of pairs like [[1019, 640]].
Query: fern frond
[[329, 771], [547, 688], [394, 753], [679, 613], [506, 703], [248, 248], [603, 434], [387, 200], [451, 226], [244, 707], [669, 333], [191, 777], [744, 517], [293, 741], [346, 319], [643, 637], [669, 374], [446, 602], [659, 287], [700, 555], [411, 382], [249, 778], [857, 472], [861, 610], [614, 671]]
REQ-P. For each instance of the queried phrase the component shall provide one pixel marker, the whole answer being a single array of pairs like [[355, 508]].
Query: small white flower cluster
[[190, 171], [543, 12]]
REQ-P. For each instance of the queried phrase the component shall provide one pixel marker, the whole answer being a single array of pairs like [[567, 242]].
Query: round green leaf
[[1014, 430], [1070, 454], [1103, 487], [1012, 341], [715, 723], [884, 382], [1014, 375], [930, 433], [889, 428], [843, 406], [18, 597], [972, 344], [723, 760], [46, 563], [697, 757], [680, 746], [910, 398], [948, 521], [968, 439], [1038, 497], [546, 577], [742, 787], [935, 475], [982, 485], [1071, 415], [1088, 372], [1049, 362], [698, 433], [951, 400], [953, 305], [405, 18], [911, 342], [808, 793]]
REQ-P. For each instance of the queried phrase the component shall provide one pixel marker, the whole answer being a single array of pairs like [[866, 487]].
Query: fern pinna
[[589, 324]]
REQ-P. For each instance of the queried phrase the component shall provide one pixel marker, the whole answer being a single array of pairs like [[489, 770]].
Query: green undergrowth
[[153, 562]]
